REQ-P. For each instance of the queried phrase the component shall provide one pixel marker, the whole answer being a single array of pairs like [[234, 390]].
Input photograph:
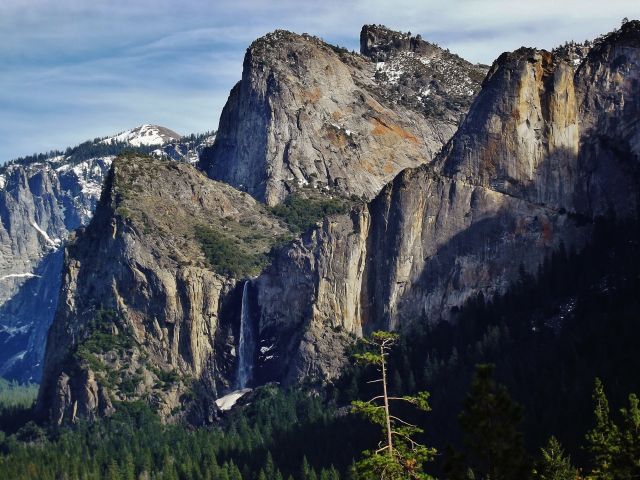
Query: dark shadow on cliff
[[30, 311], [549, 335]]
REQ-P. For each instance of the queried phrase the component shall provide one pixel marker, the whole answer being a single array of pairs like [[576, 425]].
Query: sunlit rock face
[[308, 114], [550, 143]]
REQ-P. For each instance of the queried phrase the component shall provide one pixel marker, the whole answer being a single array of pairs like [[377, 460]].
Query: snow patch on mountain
[[18, 275], [187, 150], [453, 75], [89, 174], [146, 135], [55, 243]]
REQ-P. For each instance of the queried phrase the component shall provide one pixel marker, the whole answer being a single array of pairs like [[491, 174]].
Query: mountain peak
[[145, 134], [379, 42]]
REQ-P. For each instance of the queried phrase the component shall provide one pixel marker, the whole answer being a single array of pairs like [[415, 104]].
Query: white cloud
[[74, 69]]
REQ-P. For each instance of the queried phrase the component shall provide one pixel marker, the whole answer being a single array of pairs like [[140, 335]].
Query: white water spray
[[246, 345]]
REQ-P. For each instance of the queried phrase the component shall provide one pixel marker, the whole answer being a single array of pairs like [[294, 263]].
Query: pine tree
[[627, 464], [113, 471], [305, 469], [128, 469], [603, 439], [307, 472], [234, 472], [554, 464], [269, 468], [399, 456], [490, 420]]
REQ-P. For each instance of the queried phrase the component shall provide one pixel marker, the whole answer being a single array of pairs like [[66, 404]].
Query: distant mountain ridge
[[42, 199], [145, 135]]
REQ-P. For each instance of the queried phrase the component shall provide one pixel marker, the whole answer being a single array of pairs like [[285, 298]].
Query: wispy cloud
[[73, 69]]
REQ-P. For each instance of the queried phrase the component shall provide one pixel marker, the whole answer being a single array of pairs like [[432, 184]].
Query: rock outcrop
[[547, 147], [141, 310], [39, 205], [42, 199], [310, 114]]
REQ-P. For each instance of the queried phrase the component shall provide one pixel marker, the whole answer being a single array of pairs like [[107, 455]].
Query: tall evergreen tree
[[603, 440], [490, 420], [399, 455], [554, 464], [627, 464]]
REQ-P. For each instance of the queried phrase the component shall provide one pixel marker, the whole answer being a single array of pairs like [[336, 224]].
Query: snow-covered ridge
[[455, 78], [146, 135]]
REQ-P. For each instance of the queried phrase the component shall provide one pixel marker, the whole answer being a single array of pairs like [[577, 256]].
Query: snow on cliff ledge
[[145, 135]]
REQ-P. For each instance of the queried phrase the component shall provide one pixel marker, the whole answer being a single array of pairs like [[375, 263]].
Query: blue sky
[[71, 70]]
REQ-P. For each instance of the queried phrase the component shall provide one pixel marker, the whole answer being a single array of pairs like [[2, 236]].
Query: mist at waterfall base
[[246, 354]]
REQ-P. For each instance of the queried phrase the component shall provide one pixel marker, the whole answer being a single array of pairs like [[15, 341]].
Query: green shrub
[[101, 339], [227, 255], [129, 383], [166, 379], [302, 213]]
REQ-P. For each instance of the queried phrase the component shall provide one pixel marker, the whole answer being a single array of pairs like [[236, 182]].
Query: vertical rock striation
[[548, 145]]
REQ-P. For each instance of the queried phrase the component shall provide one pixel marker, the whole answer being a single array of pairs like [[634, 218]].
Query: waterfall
[[246, 345]]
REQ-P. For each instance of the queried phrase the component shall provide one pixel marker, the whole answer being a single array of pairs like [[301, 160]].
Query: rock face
[[307, 113], [547, 147], [419, 74], [39, 204], [566, 137], [42, 199], [141, 311]]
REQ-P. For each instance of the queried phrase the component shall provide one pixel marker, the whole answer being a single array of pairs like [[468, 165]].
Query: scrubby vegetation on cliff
[[303, 212]]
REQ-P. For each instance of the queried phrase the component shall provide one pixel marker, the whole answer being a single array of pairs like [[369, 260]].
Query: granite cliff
[[310, 114], [548, 145], [142, 309], [551, 142], [42, 199]]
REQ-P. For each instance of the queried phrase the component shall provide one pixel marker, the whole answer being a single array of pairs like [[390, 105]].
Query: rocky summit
[[307, 114]]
